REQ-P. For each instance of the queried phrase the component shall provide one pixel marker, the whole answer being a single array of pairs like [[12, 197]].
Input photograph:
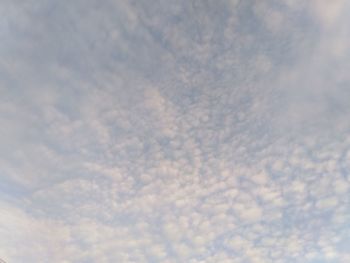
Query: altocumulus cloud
[[174, 131]]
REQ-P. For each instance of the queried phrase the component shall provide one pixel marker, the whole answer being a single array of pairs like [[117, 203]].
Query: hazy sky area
[[181, 131]]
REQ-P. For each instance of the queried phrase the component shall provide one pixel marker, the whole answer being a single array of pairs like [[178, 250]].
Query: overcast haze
[[175, 131]]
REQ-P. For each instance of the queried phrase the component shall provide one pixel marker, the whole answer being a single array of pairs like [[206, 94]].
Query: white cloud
[[326, 203], [328, 11], [167, 132]]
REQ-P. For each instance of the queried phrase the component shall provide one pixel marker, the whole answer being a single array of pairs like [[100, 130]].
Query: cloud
[[174, 132]]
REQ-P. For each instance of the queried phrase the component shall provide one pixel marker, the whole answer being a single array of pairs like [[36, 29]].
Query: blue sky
[[174, 131]]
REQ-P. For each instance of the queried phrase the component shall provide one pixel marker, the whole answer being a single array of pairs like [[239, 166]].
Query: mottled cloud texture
[[175, 131]]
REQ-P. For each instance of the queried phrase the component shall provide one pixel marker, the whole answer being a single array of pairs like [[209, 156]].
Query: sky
[[175, 131]]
